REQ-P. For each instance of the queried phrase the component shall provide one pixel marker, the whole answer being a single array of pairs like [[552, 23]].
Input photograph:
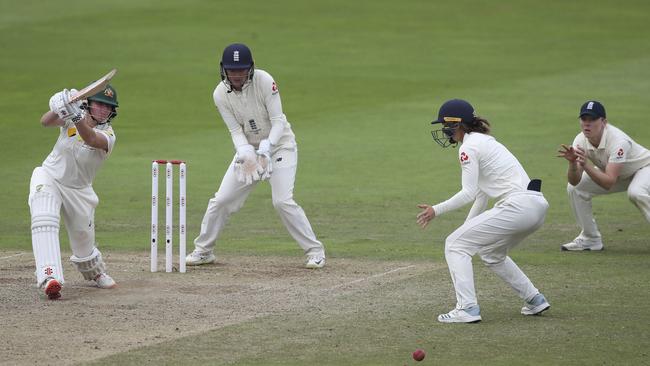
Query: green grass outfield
[[360, 82]]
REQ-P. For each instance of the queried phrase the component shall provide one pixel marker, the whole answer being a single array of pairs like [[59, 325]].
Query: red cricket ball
[[418, 355]]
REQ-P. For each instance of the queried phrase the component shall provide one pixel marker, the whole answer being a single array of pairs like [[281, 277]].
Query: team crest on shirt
[[274, 88], [464, 158], [620, 153]]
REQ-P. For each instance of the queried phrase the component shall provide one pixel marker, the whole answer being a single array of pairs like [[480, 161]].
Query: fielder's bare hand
[[567, 152], [426, 215], [581, 157]]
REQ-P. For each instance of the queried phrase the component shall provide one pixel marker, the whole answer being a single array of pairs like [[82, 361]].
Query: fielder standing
[[489, 170], [617, 164], [63, 183], [249, 103]]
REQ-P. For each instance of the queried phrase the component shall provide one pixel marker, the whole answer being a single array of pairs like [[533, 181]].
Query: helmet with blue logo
[[236, 56]]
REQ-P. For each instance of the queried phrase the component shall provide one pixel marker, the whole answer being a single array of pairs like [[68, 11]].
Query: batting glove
[[60, 104]]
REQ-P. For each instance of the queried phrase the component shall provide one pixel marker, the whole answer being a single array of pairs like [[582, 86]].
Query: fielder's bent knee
[[281, 205], [635, 195]]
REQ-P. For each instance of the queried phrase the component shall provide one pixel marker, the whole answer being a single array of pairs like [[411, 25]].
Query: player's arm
[[574, 173], [50, 119], [91, 137], [235, 129], [469, 192], [274, 108], [605, 179]]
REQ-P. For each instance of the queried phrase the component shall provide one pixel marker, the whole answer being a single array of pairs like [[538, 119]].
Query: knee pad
[[90, 266], [45, 209]]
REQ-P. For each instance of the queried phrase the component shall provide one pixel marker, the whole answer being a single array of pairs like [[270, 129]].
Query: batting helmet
[[107, 96], [237, 56], [451, 114]]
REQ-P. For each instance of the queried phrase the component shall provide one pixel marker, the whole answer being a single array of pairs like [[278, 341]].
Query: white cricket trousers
[[491, 234], [232, 194], [638, 191]]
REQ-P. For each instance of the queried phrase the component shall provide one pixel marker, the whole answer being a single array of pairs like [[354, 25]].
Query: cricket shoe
[[52, 288], [315, 261], [105, 281], [197, 258], [580, 244], [536, 306], [469, 315]]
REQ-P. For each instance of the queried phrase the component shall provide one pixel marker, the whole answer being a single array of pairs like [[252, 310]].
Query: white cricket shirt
[[615, 147], [255, 113], [73, 163], [488, 170]]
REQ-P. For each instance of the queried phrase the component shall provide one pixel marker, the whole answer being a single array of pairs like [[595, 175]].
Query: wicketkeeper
[[248, 100], [63, 184]]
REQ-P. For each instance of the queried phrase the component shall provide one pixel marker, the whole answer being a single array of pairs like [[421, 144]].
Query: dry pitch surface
[[88, 323]]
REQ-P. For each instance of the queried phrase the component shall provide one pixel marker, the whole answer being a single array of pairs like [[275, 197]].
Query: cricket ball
[[418, 355]]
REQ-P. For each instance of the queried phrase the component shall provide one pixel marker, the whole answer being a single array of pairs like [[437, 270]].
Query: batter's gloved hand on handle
[[264, 159], [60, 104]]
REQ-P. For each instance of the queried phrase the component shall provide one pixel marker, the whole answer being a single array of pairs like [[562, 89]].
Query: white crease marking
[[11, 256], [371, 277]]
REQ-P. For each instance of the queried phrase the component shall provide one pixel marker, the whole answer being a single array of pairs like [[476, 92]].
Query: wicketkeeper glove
[[246, 166], [264, 159]]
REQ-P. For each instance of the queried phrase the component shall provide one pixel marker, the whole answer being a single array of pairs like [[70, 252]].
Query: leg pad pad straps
[[90, 266]]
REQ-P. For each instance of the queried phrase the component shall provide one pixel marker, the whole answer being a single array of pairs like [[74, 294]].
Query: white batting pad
[[90, 266], [45, 236]]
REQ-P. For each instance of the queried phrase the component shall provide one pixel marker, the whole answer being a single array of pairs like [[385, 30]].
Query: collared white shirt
[[73, 163], [255, 113], [489, 170], [615, 147]]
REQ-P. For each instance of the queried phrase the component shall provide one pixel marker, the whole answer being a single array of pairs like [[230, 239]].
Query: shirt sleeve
[[618, 151], [110, 137], [469, 162], [236, 130], [274, 108]]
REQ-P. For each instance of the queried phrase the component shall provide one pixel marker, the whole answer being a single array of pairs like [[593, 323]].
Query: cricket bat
[[95, 87]]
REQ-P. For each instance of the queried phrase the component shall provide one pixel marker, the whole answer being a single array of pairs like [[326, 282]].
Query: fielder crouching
[[489, 170], [63, 183]]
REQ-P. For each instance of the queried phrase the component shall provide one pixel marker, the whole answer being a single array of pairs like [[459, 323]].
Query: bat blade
[[95, 87]]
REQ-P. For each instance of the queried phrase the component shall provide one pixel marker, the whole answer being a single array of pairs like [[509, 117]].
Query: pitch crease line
[[371, 277], [11, 256]]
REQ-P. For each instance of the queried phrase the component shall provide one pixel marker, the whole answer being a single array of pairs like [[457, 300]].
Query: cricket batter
[[63, 183], [489, 170], [617, 164], [248, 100]]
